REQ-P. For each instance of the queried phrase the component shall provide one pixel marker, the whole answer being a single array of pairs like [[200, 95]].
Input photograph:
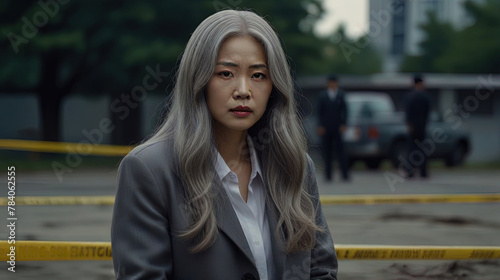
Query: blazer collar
[[227, 220]]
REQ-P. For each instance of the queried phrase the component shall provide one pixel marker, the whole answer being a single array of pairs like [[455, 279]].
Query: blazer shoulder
[[150, 168], [157, 156], [151, 150]]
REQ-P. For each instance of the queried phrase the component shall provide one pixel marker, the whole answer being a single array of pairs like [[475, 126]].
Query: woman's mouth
[[241, 111]]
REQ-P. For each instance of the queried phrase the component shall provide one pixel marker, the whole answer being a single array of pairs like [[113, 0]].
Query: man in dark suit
[[417, 114], [332, 118]]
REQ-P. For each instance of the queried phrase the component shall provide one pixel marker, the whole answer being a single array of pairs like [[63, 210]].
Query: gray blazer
[[149, 211]]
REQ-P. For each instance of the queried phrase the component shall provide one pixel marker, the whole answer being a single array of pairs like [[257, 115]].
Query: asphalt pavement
[[474, 224]]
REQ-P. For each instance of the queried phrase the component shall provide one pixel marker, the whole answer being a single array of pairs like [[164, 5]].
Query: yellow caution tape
[[75, 251], [409, 198], [83, 148], [55, 251], [382, 252], [60, 200], [325, 199]]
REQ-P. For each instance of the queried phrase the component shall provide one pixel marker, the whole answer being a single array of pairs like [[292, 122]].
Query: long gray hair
[[278, 134]]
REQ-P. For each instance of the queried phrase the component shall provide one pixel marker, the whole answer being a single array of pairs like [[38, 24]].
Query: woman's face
[[240, 86]]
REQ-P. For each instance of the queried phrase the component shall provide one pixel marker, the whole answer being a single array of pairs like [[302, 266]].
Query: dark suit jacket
[[149, 210], [418, 105], [332, 113]]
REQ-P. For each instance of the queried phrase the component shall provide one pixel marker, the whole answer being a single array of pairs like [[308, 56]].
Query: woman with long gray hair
[[224, 189]]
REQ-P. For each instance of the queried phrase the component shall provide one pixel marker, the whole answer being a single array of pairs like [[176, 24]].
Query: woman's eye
[[226, 74], [259, 76]]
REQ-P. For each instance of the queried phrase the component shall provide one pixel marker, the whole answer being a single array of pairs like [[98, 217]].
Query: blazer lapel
[[272, 213], [228, 222]]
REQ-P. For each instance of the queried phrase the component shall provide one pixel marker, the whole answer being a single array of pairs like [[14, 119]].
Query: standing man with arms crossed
[[417, 114], [332, 117]]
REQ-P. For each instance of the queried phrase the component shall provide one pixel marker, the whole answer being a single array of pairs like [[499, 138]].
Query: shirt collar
[[254, 160], [223, 170], [332, 93]]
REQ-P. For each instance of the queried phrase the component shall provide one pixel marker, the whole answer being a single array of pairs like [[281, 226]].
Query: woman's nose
[[242, 90]]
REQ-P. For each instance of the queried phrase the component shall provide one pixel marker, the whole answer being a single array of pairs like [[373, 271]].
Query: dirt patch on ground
[[453, 221]]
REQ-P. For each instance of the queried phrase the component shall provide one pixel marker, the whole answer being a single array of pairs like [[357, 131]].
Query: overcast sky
[[354, 13]]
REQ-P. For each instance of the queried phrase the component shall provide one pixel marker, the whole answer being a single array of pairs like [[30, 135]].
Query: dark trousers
[[416, 156], [333, 143]]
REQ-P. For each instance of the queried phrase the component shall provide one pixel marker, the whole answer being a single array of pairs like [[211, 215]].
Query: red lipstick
[[241, 111]]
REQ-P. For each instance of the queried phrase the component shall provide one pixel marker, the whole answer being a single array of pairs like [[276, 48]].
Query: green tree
[[437, 42], [475, 49], [56, 48], [345, 55], [91, 47]]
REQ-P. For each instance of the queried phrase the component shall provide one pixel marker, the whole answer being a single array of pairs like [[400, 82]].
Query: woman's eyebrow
[[259, 66], [227, 63], [232, 64]]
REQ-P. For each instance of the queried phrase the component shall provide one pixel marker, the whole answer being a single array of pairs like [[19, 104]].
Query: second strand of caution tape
[[78, 251], [325, 199]]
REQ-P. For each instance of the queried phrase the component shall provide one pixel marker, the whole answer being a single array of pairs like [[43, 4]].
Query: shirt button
[[257, 242]]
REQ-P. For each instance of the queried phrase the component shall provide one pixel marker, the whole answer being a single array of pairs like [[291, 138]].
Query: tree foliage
[[345, 55], [473, 49], [437, 41], [59, 47]]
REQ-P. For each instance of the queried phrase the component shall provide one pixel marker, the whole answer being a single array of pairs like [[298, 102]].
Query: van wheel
[[373, 163], [457, 155]]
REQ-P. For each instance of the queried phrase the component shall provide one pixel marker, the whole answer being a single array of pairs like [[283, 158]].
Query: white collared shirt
[[331, 93], [251, 214]]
